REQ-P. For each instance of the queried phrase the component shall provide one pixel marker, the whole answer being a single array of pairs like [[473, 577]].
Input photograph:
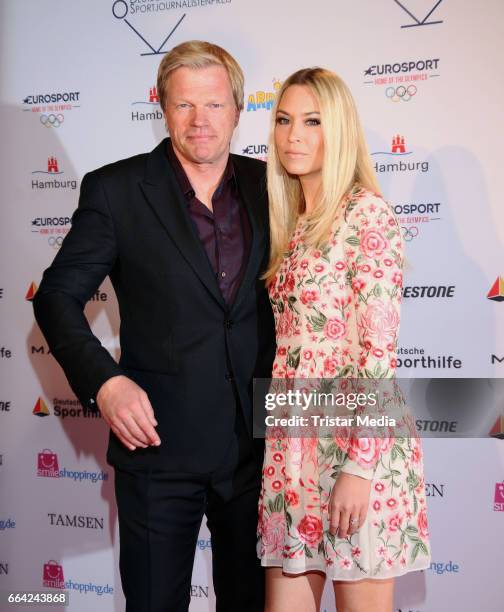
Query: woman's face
[[298, 133]]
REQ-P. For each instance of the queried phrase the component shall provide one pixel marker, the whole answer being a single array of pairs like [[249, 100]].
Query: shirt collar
[[183, 180]]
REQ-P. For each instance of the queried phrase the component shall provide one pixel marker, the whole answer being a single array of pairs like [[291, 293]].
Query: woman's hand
[[349, 501]]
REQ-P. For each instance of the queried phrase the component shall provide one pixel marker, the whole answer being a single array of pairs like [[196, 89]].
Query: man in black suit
[[183, 234]]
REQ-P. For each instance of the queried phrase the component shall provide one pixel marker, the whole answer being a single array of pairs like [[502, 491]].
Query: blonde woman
[[349, 510]]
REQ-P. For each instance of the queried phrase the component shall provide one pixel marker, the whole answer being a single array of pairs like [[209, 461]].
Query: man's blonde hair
[[199, 54], [346, 163]]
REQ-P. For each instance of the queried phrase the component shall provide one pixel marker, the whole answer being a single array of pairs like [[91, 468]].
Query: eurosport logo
[[48, 467], [52, 169], [64, 408], [414, 215], [51, 107], [399, 149], [52, 228], [151, 101], [417, 21], [53, 577], [496, 292], [400, 81], [263, 99], [258, 151]]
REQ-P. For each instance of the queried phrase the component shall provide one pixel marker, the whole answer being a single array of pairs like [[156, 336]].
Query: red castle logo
[[398, 144], [47, 464], [52, 165], [32, 290], [496, 293], [53, 575], [153, 95]]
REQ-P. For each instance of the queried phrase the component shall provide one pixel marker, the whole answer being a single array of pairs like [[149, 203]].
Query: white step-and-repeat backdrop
[[78, 91]]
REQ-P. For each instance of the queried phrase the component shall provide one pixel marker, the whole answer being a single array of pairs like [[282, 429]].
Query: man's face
[[200, 113]]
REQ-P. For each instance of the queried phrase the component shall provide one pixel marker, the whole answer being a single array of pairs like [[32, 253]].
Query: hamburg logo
[[496, 293], [398, 148], [417, 22], [401, 78], [152, 100], [120, 10], [40, 408], [51, 106], [47, 464], [263, 99], [32, 290], [53, 169], [499, 497], [53, 575]]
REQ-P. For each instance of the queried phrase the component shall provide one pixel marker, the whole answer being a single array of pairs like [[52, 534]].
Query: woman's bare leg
[[293, 593], [364, 595]]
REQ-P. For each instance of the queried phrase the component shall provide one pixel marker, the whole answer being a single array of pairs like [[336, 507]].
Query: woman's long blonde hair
[[346, 163]]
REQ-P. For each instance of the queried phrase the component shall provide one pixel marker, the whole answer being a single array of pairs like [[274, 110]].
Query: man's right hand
[[127, 410]]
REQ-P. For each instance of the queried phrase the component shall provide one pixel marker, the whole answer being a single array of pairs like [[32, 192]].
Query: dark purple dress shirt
[[225, 233]]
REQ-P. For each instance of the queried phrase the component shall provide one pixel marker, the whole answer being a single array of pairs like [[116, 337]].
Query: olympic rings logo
[[410, 232], [401, 93], [52, 120], [55, 241]]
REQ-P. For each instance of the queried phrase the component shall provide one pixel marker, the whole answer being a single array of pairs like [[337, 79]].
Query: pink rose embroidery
[[373, 243], [310, 530], [422, 523], [364, 450], [273, 531], [308, 296], [334, 329], [379, 322]]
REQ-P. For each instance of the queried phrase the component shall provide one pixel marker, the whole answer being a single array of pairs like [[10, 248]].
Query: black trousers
[[160, 514]]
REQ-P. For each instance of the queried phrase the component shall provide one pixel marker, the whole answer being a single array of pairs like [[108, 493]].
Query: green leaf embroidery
[[353, 240]]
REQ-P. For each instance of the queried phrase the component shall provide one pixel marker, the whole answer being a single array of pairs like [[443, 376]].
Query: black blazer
[[179, 339]]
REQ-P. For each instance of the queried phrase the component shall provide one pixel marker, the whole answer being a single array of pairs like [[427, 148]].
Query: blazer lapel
[[164, 196], [251, 193]]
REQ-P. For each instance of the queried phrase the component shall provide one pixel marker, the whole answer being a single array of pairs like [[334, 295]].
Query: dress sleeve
[[374, 256]]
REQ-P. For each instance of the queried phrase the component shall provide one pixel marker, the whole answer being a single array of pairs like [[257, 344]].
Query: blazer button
[[228, 324], [229, 376]]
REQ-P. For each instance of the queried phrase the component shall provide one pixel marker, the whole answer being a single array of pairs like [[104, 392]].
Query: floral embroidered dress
[[337, 314]]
